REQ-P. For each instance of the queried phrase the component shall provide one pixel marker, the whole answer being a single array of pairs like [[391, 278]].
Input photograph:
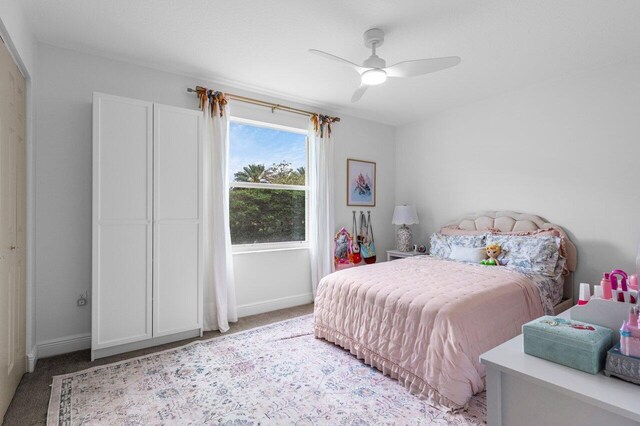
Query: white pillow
[[467, 254]]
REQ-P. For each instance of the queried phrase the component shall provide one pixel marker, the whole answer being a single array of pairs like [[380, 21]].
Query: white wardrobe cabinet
[[147, 224]]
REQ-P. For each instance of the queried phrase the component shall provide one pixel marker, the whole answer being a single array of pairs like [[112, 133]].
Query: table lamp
[[404, 215]]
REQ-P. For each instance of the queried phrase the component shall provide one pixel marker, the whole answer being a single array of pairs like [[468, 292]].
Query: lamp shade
[[405, 215]]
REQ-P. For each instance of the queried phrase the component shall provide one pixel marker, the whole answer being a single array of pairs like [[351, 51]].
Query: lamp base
[[403, 239]]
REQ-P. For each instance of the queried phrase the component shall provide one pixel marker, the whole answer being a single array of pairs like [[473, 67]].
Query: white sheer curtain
[[321, 225], [219, 288]]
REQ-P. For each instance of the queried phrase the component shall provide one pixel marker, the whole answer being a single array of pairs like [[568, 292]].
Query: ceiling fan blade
[[357, 67], [421, 66], [358, 93]]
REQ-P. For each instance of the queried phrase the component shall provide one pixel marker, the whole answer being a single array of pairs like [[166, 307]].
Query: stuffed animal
[[493, 251]]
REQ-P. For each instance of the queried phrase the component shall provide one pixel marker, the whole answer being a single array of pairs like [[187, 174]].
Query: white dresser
[[524, 390], [147, 224]]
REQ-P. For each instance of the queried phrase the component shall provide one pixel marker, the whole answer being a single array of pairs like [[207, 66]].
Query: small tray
[[622, 366]]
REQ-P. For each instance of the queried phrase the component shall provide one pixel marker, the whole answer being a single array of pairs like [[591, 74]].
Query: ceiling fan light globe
[[374, 77]]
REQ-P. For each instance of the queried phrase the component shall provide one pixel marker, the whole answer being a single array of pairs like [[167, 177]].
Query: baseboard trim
[[32, 359], [65, 345], [274, 304], [80, 342]]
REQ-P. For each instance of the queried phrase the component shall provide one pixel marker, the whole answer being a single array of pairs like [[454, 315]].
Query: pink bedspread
[[425, 321]]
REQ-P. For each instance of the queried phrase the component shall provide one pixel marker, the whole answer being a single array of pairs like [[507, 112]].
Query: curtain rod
[[266, 104]]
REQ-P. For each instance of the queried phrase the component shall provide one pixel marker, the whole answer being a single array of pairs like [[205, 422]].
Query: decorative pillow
[[467, 254], [537, 255], [441, 244], [438, 246], [562, 257]]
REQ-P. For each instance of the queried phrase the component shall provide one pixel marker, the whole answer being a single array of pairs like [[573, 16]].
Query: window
[[268, 185]]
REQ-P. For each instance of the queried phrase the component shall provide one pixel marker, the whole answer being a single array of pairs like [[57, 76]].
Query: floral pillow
[[441, 244], [536, 255]]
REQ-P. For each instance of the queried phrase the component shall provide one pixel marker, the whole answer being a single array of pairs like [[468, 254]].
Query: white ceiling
[[504, 44]]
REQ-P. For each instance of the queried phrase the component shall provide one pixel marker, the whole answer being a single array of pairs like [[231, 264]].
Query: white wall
[[13, 23], [67, 80], [568, 150], [364, 140]]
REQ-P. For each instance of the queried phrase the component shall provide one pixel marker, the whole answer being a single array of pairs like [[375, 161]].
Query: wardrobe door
[[122, 220], [177, 220]]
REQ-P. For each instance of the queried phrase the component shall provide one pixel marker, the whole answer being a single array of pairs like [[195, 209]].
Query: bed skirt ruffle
[[416, 385]]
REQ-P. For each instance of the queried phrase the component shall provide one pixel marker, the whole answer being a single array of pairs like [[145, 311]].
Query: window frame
[[283, 245]]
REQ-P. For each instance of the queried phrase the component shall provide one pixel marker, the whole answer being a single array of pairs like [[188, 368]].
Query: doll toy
[[493, 251]]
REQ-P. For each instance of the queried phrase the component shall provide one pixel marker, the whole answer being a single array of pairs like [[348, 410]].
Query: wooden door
[[122, 221], [12, 228], [177, 233]]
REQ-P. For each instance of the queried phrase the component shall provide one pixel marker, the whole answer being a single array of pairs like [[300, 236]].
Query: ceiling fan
[[374, 69]]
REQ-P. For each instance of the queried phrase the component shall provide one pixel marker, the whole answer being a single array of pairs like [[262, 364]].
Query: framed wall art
[[361, 183]]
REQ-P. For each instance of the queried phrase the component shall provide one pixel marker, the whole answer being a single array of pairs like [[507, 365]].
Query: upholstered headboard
[[509, 221]]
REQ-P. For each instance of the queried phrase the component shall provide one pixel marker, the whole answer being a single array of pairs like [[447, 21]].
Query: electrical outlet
[[82, 300]]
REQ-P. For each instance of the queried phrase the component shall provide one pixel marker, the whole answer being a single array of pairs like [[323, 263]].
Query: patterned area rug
[[277, 374]]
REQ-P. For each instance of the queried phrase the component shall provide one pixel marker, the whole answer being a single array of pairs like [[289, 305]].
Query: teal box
[[572, 343]]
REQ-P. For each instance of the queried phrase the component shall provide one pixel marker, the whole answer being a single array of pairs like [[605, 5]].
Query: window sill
[[249, 249]]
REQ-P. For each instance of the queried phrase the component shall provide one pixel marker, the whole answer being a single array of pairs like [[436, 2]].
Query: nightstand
[[397, 254]]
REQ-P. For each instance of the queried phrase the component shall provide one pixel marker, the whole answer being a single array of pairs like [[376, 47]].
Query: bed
[[425, 320]]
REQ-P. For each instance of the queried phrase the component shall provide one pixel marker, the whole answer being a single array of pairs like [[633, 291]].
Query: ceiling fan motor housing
[[373, 37]]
